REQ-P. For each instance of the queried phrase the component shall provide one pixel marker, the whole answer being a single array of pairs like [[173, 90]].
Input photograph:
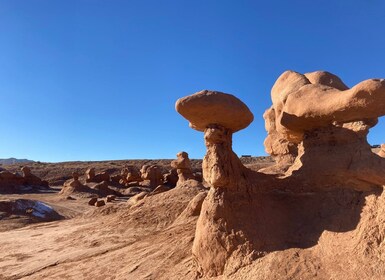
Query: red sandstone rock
[[91, 177], [183, 167], [152, 174], [319, 126]]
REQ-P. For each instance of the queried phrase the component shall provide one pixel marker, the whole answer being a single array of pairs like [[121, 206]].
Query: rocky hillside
[[7, 161]]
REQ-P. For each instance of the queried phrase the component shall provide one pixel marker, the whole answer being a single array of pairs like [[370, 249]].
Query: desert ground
[[100, 238]]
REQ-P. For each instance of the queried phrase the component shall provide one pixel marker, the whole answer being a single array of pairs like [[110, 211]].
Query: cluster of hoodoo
[[317, 130], [131, 182], [14, 182]]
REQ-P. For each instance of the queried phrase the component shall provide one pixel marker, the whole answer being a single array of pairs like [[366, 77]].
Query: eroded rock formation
[[152, 176], [130, 176], [73, 186], [318, 127], [13, 182], [92, 177], [222, 169], [317, 130], [183, 167]]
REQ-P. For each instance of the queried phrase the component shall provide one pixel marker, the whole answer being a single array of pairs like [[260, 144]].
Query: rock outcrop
[[74, 186], [170, 178], [13, 182], [130, 176], [317, 131], [152, 176], [318, 127], [31, 179], [183, 167], [222, 170], [92, 177]]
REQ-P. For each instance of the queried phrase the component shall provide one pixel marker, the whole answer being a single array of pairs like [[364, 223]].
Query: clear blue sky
[[94, 80]]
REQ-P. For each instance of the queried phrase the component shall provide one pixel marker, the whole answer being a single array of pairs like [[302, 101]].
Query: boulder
[[100, 203], [92, 201], [110, 197]]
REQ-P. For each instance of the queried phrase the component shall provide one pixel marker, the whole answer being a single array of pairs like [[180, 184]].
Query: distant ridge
[[7, 161]]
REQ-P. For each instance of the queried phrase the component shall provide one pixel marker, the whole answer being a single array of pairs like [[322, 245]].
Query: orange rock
[[206, 107]]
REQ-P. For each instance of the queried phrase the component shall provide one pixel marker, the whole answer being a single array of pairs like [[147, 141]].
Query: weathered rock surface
[[183, 167], [130, 174], [92, 177], [317, 132], [13, 182], [212, 107], [73, 186], [152, 174], [381, 153], [317, 126]]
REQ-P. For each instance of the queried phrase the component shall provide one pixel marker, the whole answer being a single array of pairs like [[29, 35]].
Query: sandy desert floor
[[153, 239]]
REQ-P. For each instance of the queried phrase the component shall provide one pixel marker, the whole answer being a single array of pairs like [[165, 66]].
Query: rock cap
[[207, 107]]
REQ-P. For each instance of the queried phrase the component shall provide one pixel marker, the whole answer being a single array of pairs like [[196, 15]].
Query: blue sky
[[95, 80]]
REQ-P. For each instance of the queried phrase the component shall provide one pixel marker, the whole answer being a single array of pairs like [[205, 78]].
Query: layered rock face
[[317, 131]]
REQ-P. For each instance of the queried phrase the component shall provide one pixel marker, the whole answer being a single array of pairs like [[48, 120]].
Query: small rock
[[100, 203], [111, 197], [92, 201]]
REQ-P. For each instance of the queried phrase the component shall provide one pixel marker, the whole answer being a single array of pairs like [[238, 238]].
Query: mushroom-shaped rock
[[206, 108]]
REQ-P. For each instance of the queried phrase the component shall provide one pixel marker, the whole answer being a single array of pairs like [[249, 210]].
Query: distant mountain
[[14, 160]]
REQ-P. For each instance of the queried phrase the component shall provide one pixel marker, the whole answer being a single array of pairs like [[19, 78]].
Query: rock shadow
[[279, 220]]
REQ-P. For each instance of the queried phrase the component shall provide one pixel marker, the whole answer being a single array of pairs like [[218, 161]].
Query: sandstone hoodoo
[[222, 170], [324, 171], [152, 176], [218, 115], [318, 127], [183, 167]]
